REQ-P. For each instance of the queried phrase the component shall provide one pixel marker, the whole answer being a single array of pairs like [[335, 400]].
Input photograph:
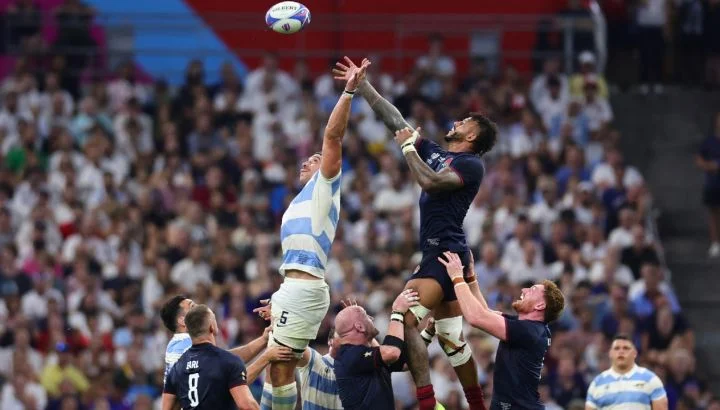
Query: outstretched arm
[[475, 312], [252, 349], [331, 161], [383, 108]]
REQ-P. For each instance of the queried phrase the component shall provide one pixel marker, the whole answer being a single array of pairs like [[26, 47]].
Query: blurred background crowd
[[116, 194]]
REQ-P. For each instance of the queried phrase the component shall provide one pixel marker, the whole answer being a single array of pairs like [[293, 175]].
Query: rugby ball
[[287, 17]]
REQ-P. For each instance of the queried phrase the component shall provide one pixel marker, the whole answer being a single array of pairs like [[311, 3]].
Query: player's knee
[[450, 335]]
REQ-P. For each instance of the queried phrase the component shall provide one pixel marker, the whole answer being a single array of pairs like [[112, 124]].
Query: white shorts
[[298, 309]]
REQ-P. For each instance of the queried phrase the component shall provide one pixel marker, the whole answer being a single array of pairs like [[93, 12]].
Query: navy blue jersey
[[518, 365], [203, 376], [363, 378], [442, 213]]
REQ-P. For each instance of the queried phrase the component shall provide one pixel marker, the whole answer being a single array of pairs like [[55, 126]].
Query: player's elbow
[[390, 354]]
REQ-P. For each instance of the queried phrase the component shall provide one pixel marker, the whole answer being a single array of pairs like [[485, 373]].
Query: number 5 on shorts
[[283, 317]]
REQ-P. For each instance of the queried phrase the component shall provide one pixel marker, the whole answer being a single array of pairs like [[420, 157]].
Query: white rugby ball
[[287, 17]]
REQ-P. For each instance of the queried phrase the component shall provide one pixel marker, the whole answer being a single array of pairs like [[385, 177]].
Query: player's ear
[[359, 326], [540, 305]]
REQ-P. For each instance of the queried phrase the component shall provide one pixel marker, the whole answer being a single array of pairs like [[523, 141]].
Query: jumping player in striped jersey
[[307, 232], [626, 386]]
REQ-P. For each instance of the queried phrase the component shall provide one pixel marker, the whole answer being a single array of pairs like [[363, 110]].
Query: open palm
[[350, 72]]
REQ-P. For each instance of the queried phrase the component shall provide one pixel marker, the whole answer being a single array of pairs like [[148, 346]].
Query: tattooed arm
[[383, 108]]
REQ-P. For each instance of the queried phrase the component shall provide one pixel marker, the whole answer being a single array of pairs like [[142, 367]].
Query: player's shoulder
[[643, 374]]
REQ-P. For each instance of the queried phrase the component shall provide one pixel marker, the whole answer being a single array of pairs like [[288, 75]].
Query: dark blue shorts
[[431, 268]]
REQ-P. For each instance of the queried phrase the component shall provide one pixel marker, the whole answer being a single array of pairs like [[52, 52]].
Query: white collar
[[624, 375]]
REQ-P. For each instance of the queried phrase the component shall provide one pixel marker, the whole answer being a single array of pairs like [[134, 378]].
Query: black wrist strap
[[391, 340]]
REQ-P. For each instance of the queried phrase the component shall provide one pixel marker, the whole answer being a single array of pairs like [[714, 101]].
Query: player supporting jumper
[[307, 232], [524, 339], [450, 180], [626, 385], [207, 377], [173, 314]]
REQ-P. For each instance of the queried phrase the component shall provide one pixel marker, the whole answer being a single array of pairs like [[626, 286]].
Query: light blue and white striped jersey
[[308, 226], [318, 386], [178, 345], [634, 390]]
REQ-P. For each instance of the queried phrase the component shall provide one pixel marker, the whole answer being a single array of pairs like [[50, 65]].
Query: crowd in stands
[[116, 195]]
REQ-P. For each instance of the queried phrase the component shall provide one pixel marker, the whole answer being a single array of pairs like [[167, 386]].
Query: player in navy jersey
[[362, 367], [450, 179], [207, 377], [524, 339]]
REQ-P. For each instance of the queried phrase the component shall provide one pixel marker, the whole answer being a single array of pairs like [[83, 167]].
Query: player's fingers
[[342, 66], [265, 301], [441, 260], [338, 72], [349, 62]]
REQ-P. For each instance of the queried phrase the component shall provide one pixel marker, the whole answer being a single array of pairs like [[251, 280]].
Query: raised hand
[[405, 300], [350, 72]]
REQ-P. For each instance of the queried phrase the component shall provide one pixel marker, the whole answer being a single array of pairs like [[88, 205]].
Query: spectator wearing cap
[[596, 108], [587, 67], [53, 375], [708, 159]]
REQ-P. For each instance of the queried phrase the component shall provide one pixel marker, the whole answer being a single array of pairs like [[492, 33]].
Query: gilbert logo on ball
[[287, 17]]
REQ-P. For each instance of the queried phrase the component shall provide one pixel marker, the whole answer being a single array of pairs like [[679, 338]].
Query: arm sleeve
[[656, 388], [170, 387], [426, 147], [590, 400], [469, 168], [237, 374], [363, 359]]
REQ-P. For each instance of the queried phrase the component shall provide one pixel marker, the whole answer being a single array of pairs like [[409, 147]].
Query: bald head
[[353, 324]]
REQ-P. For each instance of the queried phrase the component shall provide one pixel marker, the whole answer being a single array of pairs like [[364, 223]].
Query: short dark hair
[[196, 320], [623, 336], [554, 301], [487, 137], [170, 311]]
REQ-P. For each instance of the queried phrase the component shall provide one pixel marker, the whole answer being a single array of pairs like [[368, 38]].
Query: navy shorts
[[431, 268], [711, 197]]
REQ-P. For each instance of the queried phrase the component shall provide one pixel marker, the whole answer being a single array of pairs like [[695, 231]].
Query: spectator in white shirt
[[594, 249], [398, 196], [545, 211], [125, 87], [543, 83], [525, 136], [191, 271], [621, 236], [9, 121], [529, 268], [434, 68], [269, 73], [610, 270], [35, 302], [133, 131], [606, 173], [596, 108], [23, 353], [22, 393], [488, 269], [553, 102], [52, 93]]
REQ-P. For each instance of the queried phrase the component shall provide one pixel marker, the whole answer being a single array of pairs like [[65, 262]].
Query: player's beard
[[519, 306], [453, 136]]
